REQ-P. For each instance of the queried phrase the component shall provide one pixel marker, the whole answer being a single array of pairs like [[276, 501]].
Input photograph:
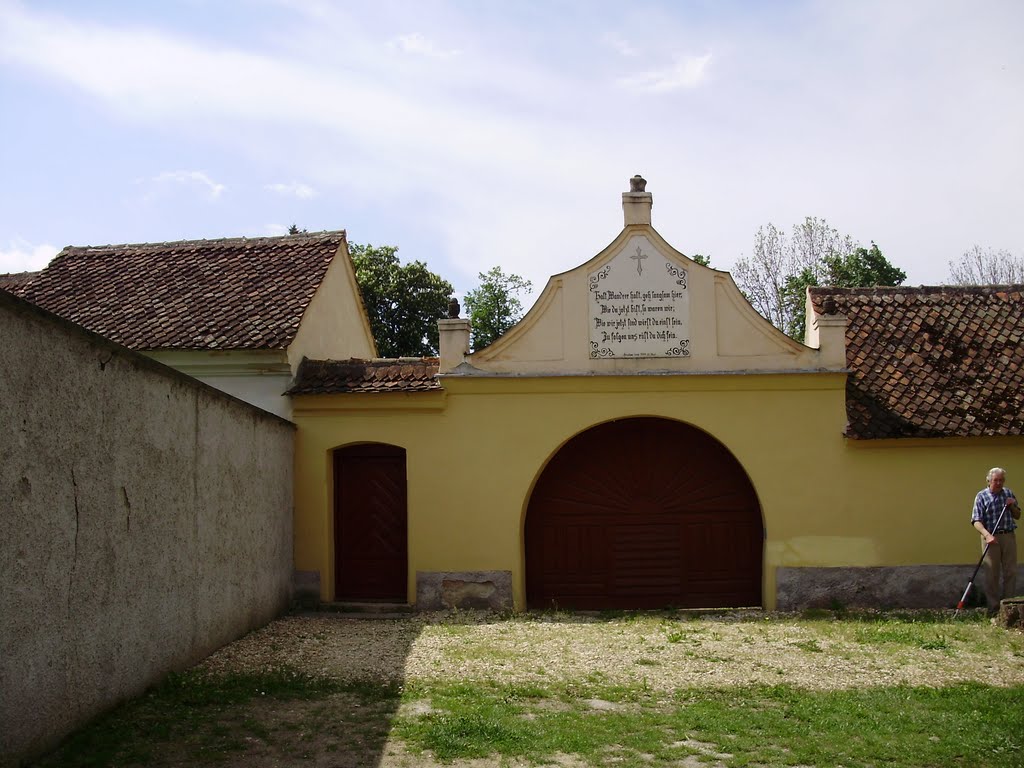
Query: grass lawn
[[284, 715]]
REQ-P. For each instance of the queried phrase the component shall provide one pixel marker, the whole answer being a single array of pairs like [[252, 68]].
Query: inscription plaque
[[639, 305]]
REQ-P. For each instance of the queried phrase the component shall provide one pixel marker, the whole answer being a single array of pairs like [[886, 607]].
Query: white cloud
[[685, 72], [275, 230], [22, 256], [229, 92], [418, 45], [213, 189], [294, 189], [621, 45]]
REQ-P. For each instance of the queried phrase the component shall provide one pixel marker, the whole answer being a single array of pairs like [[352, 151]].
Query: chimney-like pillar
[[637, 203], [826, 332], [453, 343]]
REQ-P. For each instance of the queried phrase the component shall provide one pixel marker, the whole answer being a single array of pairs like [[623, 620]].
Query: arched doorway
[[370, 523], [643, 513]]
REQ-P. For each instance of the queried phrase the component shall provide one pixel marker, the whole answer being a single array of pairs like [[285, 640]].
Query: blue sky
[[474, 134]]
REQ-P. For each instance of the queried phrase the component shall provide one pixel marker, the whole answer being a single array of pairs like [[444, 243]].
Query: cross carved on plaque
[[638, 258]]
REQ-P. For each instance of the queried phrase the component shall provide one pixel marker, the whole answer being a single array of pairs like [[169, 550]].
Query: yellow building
[[643, 438]]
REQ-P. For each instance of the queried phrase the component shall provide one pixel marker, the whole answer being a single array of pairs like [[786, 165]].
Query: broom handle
[[984, 552]]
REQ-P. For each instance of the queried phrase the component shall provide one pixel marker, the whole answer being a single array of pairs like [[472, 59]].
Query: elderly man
[[994, 516]]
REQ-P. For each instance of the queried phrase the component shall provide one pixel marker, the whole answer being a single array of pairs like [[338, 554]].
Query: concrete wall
[[146, 521]]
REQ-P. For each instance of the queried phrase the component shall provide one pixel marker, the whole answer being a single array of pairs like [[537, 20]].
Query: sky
[[482, 133]]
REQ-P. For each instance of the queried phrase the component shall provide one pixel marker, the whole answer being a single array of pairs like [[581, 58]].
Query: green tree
[[494, 306], [700, 258], [778, 256], [403, 302], [863, 268], [774, 279]]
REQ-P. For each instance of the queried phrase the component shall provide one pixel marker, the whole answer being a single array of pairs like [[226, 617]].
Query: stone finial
[[453, 308], [636, 204]]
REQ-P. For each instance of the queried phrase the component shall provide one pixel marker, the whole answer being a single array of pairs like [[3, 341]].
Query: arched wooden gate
[[643, 513]]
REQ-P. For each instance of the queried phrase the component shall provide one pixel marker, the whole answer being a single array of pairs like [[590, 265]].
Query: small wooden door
[[643, 513], [370, 523]]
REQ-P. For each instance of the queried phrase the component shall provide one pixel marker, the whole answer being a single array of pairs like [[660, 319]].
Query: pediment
[[641, 306]]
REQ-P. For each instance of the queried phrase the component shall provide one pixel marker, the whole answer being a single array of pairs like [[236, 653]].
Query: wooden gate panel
[[670, 519], [370, 527]]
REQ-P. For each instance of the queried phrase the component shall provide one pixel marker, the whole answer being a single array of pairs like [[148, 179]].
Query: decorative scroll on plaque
[[639, 305]]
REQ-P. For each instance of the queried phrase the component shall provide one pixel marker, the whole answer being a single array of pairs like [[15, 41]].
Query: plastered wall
[[475, 450], [146, 521]]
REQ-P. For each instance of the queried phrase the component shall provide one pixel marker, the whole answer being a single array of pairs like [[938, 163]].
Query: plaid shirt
[[988, 505]]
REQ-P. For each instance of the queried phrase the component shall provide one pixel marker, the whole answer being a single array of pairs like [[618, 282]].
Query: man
[[996, 528]]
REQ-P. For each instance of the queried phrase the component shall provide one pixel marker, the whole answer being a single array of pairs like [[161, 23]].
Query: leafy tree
[[701, 259], [986, 267], [494, 306], [403, 302], [778, 257], [294, 230], [863, 268]]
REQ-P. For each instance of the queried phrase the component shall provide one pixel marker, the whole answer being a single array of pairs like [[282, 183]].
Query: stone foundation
[[482, 590], [909, 586]]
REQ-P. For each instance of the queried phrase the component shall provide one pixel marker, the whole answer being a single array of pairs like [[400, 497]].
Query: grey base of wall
[[908, 586], [487, 590], [305, 588]]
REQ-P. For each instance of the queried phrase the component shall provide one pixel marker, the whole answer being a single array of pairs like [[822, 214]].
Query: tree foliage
[[403, 302], [986, 266], [778, 257], [494, 306], [863, 268], [775, 278], [701, 259]]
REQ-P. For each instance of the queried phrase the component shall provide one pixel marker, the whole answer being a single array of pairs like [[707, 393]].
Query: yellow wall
[[334, 325], [475, 450]]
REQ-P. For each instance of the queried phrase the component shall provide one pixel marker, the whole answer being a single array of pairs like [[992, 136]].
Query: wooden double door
[[643, 513], [370, 523]]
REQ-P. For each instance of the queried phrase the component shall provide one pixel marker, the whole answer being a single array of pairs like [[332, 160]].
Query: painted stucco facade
[[879, 514], [476, 449]]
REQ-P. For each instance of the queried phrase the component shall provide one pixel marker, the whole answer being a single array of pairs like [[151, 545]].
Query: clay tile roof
[[16, 282], [239, 293], [932, 361], [403, 374]]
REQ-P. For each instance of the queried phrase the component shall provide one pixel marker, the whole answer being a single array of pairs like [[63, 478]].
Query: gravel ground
[[669, 653]]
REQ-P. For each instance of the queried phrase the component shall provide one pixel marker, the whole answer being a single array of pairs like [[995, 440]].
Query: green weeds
[[900, 727]]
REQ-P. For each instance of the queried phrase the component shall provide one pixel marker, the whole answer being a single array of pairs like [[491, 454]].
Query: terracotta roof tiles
[[16, 282], [404, 374], [237, 293], [932, 361]]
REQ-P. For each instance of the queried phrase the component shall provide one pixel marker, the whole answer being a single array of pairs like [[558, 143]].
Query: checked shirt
[[988, 505]]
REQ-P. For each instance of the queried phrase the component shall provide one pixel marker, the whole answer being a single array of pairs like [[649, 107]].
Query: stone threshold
[[367, 609]]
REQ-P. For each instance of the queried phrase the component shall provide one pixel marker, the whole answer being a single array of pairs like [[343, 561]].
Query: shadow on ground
[[308, 689]]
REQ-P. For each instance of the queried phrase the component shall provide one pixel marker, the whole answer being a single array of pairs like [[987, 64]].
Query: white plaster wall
[[725, 333], [147, 520], [265, 391], [259, 377]]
